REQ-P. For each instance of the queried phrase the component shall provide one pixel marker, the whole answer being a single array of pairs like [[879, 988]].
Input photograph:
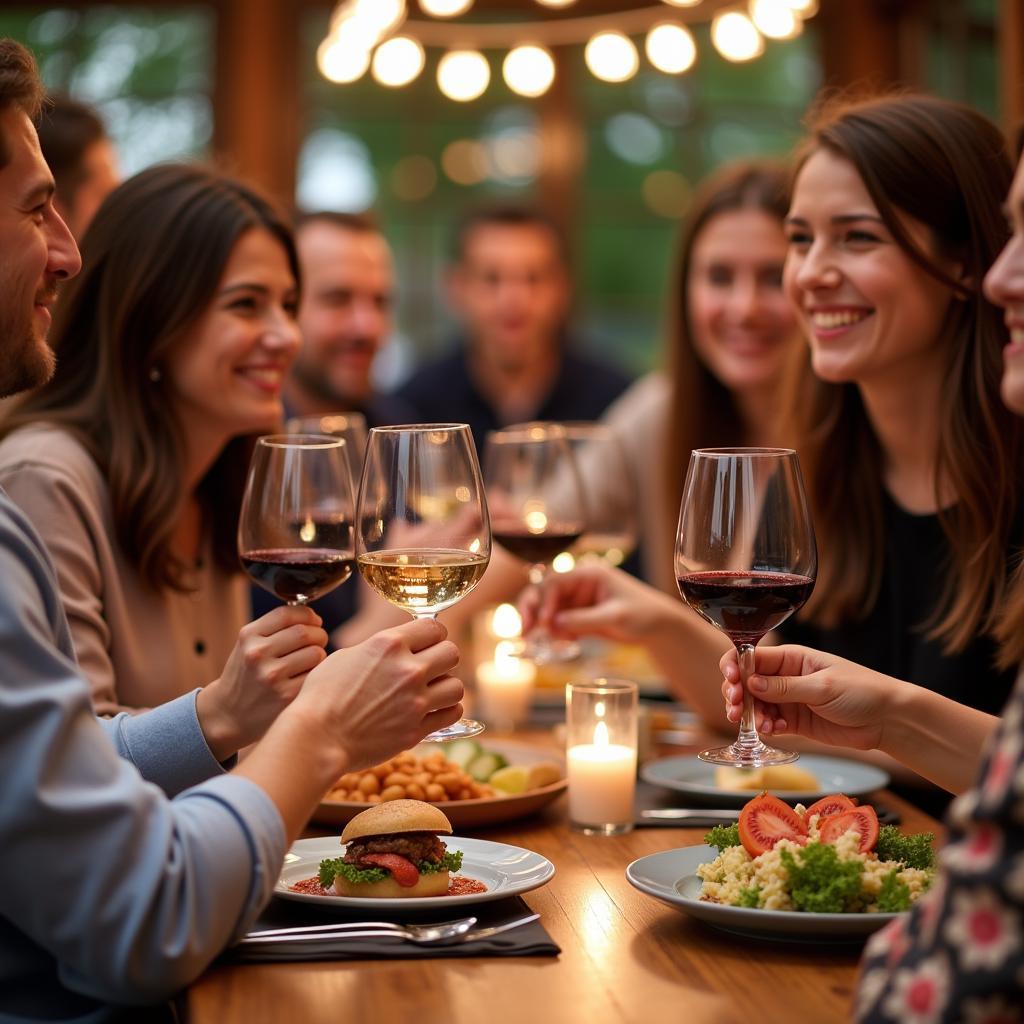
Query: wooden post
[[257, 93], [1010, 33]]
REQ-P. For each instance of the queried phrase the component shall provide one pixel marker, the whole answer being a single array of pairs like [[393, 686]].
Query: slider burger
[[392, 850]]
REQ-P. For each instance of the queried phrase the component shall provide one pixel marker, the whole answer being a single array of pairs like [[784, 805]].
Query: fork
[[414, 932], [419, 935]]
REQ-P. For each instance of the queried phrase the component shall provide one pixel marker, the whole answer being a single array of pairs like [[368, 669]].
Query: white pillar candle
[[505, 688], [602, 781]]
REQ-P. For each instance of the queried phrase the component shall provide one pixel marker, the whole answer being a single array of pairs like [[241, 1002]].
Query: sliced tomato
[[765, 820], [834, 804], [862, 819], [403, 871]]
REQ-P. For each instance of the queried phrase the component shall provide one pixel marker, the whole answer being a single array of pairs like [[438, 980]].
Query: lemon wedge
[[512, 780]]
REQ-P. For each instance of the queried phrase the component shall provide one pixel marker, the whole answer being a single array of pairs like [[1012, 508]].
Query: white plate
[[505, 870], [671, 877], [697, 778]]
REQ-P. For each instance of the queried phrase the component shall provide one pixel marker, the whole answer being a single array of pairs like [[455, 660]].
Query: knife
[[696, 815]]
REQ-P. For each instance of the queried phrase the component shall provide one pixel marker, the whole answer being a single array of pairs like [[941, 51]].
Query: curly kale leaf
[[821, 883], [894, 895], [913, 851], [723, 836]]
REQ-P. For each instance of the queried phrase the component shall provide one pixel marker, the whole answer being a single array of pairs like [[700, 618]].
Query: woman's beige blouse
[[137, 647]]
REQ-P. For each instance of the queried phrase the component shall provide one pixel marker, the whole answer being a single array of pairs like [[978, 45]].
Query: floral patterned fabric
[[959, 955]]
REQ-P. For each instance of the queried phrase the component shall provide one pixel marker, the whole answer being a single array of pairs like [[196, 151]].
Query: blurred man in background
[[509, 286], [81, 158], [348, 291]]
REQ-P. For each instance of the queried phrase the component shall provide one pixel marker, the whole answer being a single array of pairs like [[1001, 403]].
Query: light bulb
[[340, 60], [735, 37], [398, 61], [775, 19], [463, 75], [376, 17], [445, 8], [670, 48], [612, 57], [529, 70]]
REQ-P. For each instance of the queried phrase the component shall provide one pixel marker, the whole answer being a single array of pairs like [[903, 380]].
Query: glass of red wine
[[745, 561], [537, 508], [295, 531]]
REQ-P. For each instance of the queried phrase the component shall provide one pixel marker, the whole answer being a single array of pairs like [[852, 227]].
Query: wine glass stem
[[748, 738]]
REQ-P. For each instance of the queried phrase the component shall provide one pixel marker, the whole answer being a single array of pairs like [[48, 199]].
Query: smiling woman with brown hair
[[171, 348]]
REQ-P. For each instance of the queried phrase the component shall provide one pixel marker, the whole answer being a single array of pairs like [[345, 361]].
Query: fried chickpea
[[436, 792], [414, 791], [369, 783], [397, 779], [392, 793], [382, 771]]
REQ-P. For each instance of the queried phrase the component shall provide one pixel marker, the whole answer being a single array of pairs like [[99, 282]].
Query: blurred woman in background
[[171, 347]]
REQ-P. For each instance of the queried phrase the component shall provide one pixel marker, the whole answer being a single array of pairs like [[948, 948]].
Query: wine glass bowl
[[296, 523], [745, 561], [423, 537], [538, 508]]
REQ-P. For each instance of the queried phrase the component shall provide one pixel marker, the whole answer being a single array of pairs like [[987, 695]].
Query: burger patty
[[414, 846]]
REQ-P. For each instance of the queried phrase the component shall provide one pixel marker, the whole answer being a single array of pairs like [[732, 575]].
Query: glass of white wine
[[423, 535]]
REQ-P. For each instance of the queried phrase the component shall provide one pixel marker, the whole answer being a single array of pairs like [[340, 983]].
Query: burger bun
[[392, 816]]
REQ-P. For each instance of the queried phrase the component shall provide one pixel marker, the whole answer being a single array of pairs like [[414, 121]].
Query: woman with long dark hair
[[913, 465], [171, 347]]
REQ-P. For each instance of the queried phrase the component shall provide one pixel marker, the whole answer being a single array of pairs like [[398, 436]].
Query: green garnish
[[821, 883], [912, 851], [723, 836], [750, 897], [451, 861], [894, 895]]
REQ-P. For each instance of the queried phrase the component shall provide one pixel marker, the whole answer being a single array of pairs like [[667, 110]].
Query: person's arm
[[600, 601], [828, 699]]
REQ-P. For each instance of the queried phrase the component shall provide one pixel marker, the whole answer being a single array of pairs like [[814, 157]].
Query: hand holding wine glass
[[745, 561], [295, 528], [538, 505], [423, 537]]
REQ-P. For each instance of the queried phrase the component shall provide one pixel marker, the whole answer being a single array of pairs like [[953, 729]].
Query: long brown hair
[[947, 167], [703, 409], [152, 260]]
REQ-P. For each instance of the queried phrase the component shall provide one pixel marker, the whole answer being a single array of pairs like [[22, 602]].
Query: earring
[[155, 375]]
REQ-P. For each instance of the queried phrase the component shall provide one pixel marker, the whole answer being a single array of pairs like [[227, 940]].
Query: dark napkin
[[650, 796], [528, 940]]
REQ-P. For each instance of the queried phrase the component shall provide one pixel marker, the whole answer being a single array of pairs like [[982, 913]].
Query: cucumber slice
[[461, 752], [484, 765]]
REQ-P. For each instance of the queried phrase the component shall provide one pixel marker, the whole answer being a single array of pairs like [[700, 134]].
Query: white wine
[[422, 582]]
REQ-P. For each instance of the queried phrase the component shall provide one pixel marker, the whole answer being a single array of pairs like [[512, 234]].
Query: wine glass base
[[460, 730], [759, 756], [551, 650]]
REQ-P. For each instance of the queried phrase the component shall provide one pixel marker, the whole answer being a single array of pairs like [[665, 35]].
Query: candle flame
[[507, 622], [307, 532], [599, 709], [601, 735]]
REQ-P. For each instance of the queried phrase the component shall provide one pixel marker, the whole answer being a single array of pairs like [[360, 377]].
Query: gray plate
[[697, 779], [670, 877]]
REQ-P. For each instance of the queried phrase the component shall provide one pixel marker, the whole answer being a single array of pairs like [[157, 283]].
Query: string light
[[735, 37], [612, 57], [775, 19], [398, 61], [670, 48], [367, 31], [463, 75], [529, 70], [445, 8]]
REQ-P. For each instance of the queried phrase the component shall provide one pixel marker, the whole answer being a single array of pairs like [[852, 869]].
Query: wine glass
[[538, 509], [423, 536], [295, 528], [609, 486], [350, 426], [745, 561]]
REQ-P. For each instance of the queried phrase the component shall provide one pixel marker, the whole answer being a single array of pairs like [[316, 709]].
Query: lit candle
[[602, 780], [601, 725], [505, 687]]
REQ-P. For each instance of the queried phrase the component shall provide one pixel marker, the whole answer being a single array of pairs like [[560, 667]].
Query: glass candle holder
[[504, 687], [601, 752]]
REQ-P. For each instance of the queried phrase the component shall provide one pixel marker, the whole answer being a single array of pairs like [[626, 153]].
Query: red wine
[[745, 605], [298, 574], [536, 548]]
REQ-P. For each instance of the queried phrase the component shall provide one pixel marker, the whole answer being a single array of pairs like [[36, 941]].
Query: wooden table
[[625, 958]]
